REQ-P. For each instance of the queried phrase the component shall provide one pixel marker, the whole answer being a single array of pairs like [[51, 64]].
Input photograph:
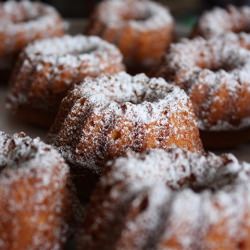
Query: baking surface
[[10, 125]]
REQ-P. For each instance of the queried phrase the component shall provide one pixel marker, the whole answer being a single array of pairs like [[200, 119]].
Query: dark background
[[83, 8]]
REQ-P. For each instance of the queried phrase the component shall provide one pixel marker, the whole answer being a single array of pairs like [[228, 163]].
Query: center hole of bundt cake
[[151, 97], [141, 18], [224, 67], [219, 181], [137, 16], [24, 18], [83, 51], [218, 67], [1, 167], [243, 28]]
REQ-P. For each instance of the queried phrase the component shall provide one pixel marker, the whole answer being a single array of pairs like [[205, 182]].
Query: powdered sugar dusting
[[146, 223], [136, 94], [74, 52]]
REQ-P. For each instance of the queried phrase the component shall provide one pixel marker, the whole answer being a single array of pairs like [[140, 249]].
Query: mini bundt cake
[[21, 23], [215, 73], [104, 117], [142, 30], [48, 68], [221, 21], [35, 195], [171, 199]]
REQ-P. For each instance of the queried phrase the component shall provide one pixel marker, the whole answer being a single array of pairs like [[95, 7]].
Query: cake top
[[139, 97], [3, 141], [20, 155], [223, 56], [220, 21], [179, 169], [25, 14], [139, 14], [88, 52], [72, 46]]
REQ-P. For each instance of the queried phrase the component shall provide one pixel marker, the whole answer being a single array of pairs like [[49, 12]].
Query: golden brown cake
[[142, 30], [221, 21], [35, 195], [102, 118], [21, 23], [215, 73], [48, 68], [171, 199]]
